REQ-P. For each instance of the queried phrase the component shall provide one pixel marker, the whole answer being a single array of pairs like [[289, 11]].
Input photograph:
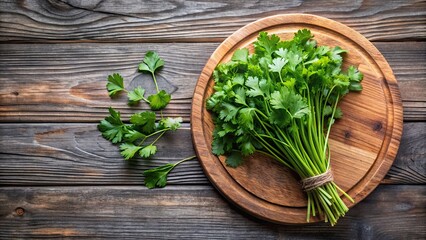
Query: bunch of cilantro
[[282, 101], [140, 136]]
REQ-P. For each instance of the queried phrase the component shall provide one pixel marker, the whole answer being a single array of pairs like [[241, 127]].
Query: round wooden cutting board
[[363, 143]]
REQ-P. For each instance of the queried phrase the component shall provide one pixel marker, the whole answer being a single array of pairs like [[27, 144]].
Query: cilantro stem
[[185, 159], [155, 81], [159, 136], [153, 134]]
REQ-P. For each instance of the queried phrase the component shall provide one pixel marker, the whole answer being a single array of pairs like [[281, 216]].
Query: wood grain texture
[[76, 154], [192, 212], [374, 129], [74, 77], [200, 20]]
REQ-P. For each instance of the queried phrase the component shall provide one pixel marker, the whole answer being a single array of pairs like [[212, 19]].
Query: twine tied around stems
[[311, 183]]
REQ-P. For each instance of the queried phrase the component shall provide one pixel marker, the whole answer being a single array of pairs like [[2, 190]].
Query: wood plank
[[76, 154], [390, 212], [74, 77], [96, 20]]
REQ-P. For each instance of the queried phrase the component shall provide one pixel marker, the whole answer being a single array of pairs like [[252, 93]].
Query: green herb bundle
[[282, 101]]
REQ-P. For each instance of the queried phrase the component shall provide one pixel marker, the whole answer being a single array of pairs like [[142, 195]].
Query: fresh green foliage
[[282, 100], [115, 84], [151, 62], [136, 95], [144, 122], [128, 150], [112, 127], [139, 137], [148, 151], [159, 101], [157, 177]]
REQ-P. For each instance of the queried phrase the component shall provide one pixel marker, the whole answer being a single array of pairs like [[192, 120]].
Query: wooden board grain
[[76, 154], [194, 21], [363, 145], [74, 78], [192, 212]]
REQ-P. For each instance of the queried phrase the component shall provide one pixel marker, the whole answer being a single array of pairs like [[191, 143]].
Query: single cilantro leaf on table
[[148, 151], [136, 95], [144, 121], [160, 100], [151, 62], [112, 128], [129, 150], [115, 84], [157, 177], [172, 123], [133, 135]]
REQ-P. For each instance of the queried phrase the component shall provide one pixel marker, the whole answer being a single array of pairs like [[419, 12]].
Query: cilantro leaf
[[128, 150], [160, 100], [240, 55], [157, 177], [266, 45], [246, 117], [302, 36], [277, 64], [115, 84], [290, 101], [136, 95], [148, 151], [253, 83], [234, 159], [172, 123], [354, 74], [144, 121], [112, 128], [133, 135], [228, 112], [151, 62], [240, 96]]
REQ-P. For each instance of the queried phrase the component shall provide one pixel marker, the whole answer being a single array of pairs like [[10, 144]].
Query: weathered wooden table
[[60, 178]]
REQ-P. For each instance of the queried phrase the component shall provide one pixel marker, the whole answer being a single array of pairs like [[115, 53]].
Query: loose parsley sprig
[[151, 63], [144, 131]]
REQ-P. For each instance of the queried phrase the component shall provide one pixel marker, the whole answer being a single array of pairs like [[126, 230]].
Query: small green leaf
[[160, 100], [354, 74], [128, 150], [253, 84], [151, 62], [240, 55], [144, 121], [245, 117], [157, 177], [115, 84], [277, 64], [133, 135], [148, 151], [234, 160], [240, 96], [355, 86], [112, 128], [338, 113], [136, 95], [172, 123]]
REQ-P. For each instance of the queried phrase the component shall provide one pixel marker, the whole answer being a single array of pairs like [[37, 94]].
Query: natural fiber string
[[311, 183]]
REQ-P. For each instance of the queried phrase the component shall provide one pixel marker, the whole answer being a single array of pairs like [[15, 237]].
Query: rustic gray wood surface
[[60, 178]]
